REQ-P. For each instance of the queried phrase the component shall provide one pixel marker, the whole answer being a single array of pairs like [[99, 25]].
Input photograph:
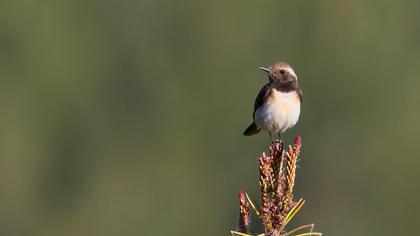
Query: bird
[[277, 105]]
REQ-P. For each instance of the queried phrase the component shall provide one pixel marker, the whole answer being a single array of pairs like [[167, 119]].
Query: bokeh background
[[125, 117]]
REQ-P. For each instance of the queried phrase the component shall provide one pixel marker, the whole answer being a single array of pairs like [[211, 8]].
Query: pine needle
[[252, 204], [299, 228], [239, 233], [310, 234], [294, 210]]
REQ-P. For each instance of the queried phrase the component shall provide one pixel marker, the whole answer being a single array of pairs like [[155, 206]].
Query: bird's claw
[[277, 141]]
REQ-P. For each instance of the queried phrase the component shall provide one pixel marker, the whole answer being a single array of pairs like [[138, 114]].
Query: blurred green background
[[126, 117]]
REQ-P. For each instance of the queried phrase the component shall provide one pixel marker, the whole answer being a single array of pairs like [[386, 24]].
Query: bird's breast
[[279, 112]]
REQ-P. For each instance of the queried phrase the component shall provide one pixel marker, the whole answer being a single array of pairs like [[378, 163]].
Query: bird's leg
[[271, 137], [279, 134]]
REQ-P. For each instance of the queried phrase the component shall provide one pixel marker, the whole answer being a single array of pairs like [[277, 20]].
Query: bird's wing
[[261, 97]]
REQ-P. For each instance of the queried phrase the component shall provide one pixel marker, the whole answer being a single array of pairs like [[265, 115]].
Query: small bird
[[277, 106]]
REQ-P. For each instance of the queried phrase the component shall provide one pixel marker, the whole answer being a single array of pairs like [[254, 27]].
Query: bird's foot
[[277, 141]]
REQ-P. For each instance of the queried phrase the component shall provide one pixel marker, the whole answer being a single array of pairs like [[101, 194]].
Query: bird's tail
[[252, 129]]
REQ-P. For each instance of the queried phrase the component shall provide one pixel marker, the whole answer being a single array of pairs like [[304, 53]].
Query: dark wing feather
[[261, 97]]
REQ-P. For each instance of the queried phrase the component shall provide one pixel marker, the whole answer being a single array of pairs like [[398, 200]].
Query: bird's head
[[281, 74]]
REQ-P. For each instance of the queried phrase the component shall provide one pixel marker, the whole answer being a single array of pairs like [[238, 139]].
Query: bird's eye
[[282, 71]]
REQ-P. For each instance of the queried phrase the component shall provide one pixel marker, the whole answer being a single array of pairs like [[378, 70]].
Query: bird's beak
[[265, 69]]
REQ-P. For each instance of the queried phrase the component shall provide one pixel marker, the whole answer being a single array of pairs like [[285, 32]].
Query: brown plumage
[[277, 105]]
